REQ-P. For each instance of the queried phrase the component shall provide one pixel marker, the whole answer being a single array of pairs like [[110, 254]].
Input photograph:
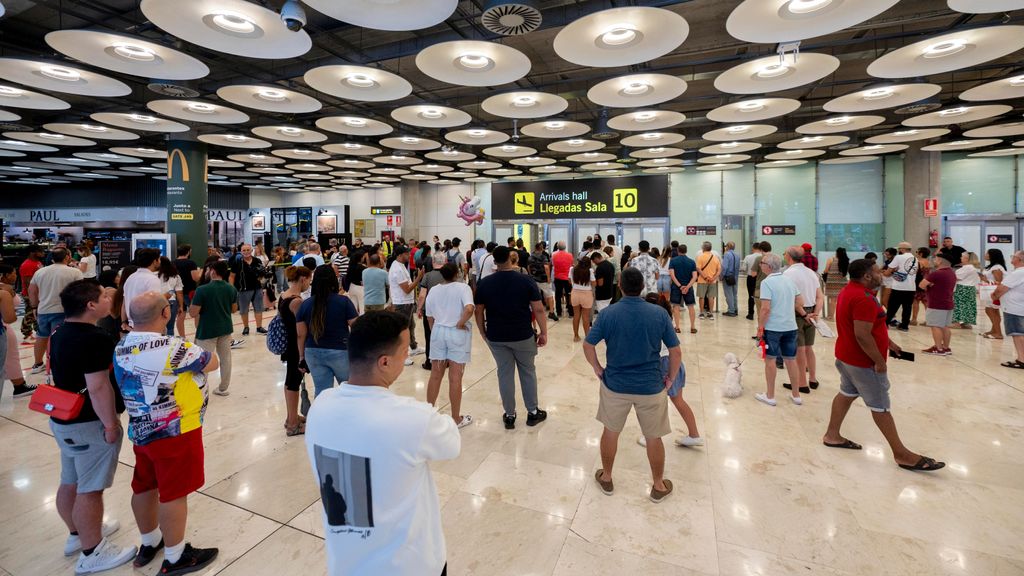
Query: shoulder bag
[[55, 402]]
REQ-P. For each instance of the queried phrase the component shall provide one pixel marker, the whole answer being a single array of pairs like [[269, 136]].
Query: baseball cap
[[906, 245], [806, 246]]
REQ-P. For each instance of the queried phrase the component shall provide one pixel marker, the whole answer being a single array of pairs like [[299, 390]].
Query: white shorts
[[450, 343], [601, 304]]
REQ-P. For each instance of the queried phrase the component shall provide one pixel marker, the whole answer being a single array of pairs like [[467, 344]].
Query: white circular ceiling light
[[524, 105], [994, 131], [1012, 87], [428, 116], [965, 144], [576, 145], [473, 63], [985, 6], [198, 111], [354, 126], [621, 36], [234, 141], [289, 134], [476, 137], [957, 115], [812, 142], [126, 54], [648, 139], [772, 73], [754, 110], [882, 97], [58, 77], [89, 131], [636, 90], [48, 139], [998, 153], [907, 135], [352, 149], [646, 120], [740, 132], [730, 148], [414, 143], [837, 124], [873, 150], [949, 52], [21, 98], [358, 83], [392, 15], [794, 155], [509, 151], [555, 129], [269, 98], [139, 121], [771, 21]]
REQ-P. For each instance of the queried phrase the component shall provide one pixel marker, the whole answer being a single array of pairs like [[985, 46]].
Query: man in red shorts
[[163, 382]]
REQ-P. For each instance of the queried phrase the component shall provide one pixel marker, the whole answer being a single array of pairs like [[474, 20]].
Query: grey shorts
[[871, 386], [85, 457], [938, 318], [250, 297], [546, 289], [707, 290], [805, 331]]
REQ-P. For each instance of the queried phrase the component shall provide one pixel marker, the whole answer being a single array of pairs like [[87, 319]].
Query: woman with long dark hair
[[582, 296], [835, 279], [117, 304], [171, 287], [994, 272], [321, 328], [627, 254], [299, 278]]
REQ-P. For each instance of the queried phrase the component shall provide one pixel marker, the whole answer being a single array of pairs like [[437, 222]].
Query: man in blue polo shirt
[[634, 331]]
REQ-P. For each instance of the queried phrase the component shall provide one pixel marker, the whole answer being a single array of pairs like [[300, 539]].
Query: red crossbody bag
[[54, 402]]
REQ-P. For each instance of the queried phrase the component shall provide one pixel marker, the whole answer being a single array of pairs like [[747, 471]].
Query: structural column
[[922, 173], [187, 195]]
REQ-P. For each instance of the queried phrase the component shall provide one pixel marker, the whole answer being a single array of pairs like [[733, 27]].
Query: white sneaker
[[416, 351], [409, 361], [38, 368], [74, 542], [466, 421], [762, 398], [689, 442], [220, 392], [797, 400], [237, 344], [642, 440], [106, 556]]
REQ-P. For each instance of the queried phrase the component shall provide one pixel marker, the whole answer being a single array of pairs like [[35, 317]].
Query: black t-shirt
[[524, 256], [953, 254], [507, 296], [77, 349], [185, 268], [536, 264], [247, 275], [605, 270], [355, 269]]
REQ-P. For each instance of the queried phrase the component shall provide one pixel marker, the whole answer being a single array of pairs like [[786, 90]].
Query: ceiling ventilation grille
[[511, 18], [172, 90]]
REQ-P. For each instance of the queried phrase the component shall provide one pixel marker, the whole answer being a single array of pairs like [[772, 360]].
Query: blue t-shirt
[[634, 331], [374, 282], [507, 297], [684, 267], [782, 292], [339, 311]]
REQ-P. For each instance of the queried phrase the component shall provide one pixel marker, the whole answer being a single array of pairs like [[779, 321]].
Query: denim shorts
[[781, 344], [871, 386], [678, 298], [679, 382], [47, 323], [664, 283], [450, 343], [1013, 325]]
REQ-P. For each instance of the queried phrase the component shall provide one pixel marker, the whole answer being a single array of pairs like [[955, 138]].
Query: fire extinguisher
[[933, 239]]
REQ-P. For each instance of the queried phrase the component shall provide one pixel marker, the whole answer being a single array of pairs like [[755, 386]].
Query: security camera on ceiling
[[293, 15]]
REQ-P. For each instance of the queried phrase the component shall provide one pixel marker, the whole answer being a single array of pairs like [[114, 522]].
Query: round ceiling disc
[[659, 152], [957, 115], [348, 174], [90, 131], [596, 166], [840, 124], [459, 174], [383, 179], [646, 120], [504, 172], [145, 169], [1004, 89], [740, 132], [352, 149], [354, 126], [479, 165], [427, 116], [20, 98], [289, 134], [481, 179], [636, 90], [442, 182], [358, 83], [849, 160], [396, 160], [510, 151], [136, 121], [433, 168], [621, 36], [11, 154], [450, 156], [234, 141], [255, 158], [754, 110], [524, 105], [312, 167], [794, 155], [81, 162], [587, 157], [994, 131], [985, 6], [998, 153], [23, 146], [394, 15], [269, 170], [269, 98], [771, 21], [231, 26], [473, 63], [902, 136], [555, 129], [352, 164], [961, 145], [881, 97], [477, 137], [770, 74], [873, 149], [664, 170], [648, 139], [730, 148], [118, 173], [949, 52], [49, 139], [724, 159], [659, 162], [552, 169], [198, 111], [218, 163], [410, 143], [781, 163], [140, 152], [126, 54], [300, 154], [57, 77], [576, 145], [6, 116], [812, 142], [389, 171], [532, 161]]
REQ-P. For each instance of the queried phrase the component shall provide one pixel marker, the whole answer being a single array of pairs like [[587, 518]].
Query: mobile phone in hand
[[902, 355]]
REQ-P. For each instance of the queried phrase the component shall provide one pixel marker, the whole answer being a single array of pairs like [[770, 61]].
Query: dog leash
[[755, 347]]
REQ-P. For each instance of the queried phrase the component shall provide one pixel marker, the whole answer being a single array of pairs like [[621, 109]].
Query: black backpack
[[536, 268]]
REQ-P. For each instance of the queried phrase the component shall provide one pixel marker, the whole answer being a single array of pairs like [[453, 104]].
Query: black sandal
[[846, 444], [925, 464], [1014, 364]]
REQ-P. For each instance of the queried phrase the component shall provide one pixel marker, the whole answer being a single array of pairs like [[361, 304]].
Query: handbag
[[55, 402]]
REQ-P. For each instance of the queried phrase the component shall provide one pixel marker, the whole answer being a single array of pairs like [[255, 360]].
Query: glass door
[[557, 233], [1001, 236], [968, 235]]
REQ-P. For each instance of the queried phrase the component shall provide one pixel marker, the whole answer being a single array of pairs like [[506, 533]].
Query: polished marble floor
[[763, 497]]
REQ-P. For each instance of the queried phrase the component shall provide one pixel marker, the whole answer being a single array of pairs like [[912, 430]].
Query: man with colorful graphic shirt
[[163, 382]]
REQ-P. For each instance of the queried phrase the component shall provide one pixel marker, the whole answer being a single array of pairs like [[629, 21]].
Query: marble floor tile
[[539, 486], [286, 551], [581, 558]]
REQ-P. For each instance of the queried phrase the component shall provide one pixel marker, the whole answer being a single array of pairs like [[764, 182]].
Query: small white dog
[[733, 387]]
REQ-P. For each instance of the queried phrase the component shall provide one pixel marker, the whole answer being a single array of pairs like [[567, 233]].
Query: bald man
[[163, 382]]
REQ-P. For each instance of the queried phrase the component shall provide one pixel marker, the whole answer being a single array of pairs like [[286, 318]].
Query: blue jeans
[[730, 297], [174, 315], [325, 366]]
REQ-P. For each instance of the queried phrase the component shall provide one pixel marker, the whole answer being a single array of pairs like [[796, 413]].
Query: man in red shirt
[[809, 260], [32, 264], [938, 288], [861, 348], [561, 264]]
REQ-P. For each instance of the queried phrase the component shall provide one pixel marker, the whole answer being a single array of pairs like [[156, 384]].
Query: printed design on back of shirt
[[345, 491]]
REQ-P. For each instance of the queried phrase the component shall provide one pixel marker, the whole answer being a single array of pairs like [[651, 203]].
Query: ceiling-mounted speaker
[[173, 89], [511, 17]]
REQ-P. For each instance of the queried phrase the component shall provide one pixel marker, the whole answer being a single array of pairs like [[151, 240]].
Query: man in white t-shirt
[[487, 265], [448, 308], [370, 451], [903, 270], [1010, 294], [403, 297], [809, 284], [141, 281]]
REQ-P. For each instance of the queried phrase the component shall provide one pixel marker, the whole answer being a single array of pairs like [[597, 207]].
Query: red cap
[[806, 246]]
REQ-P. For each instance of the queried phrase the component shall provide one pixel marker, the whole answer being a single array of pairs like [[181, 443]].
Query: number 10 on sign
[[624, 200]]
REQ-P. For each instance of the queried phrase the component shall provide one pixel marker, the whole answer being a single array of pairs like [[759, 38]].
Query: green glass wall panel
[[893, 200], [738, 191], [786, 196], [695, 199], [977, 185]]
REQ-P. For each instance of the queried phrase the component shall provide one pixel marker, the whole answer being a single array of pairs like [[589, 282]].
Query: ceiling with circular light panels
[[371, 93]]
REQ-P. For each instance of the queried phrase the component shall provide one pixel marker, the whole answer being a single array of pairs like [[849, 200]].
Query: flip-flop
[[925, 464], [990, 337], [1014, 364], [847, 444], [693, 330], [678, 331]]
